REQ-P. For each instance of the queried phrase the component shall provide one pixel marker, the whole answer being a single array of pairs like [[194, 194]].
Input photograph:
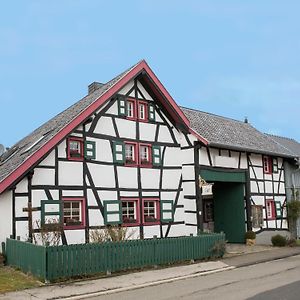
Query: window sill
[[72, 227]]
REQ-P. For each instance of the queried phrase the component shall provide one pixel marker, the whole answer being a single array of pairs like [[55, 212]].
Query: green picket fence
[[55, 262]]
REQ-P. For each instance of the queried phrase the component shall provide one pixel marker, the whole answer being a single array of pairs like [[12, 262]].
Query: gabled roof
[[30, 150], [232, 134], [290, 144]]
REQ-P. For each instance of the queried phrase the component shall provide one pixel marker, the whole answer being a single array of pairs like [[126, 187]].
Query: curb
[[134, 287]]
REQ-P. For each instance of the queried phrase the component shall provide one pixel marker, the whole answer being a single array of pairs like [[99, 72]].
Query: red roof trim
[[27, 164], [198, 136]]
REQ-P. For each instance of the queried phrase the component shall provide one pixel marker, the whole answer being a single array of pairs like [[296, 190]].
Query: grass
[[13, 280]]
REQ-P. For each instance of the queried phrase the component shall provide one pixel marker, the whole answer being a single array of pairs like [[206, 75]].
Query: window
[[267, 164], [270, 209], [208, 211], [151, 213], [131, 109], [130, 154], [145, 155], [142, 109], [130, 214], [275, 165], [257, 216], [73, 213], [75, 148]]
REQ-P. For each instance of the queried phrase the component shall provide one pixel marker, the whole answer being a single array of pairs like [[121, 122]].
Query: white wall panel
[[5, 222], [127, 177], [22, 186], [173, 156], [70, 173], [22, 230], [75, 236], [150, 178], [21, 202], [126, 128], [105, 126], [61, 149], [95, 218], [49, 160], [43, 177], [126, 88], [164, 134], [147, 131], [103, 176], [170, 179], [144, 92]]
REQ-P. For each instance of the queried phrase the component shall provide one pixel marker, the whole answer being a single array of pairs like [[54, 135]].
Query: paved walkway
[[236, 256]]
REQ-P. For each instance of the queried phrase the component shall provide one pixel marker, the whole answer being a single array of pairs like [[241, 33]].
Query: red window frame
[[267, 164], [136, 154], [133, 101], [69, 151], [270, 209], [145, 105], [82, 206], [147, 163], [157, 209], [136, 201]]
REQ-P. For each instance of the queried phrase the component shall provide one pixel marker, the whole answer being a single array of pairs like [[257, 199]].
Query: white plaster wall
[[105, 126], [22, 186], [135, 194], [150, 178], [103, 150], [244, 162], [188, 172], [203, 157], [126, 128], [114, 110], [75, 236], [43, 177], [70, 173], [20, 203], [108, 195], [170, 179], [103, 176], [190, 204], [127, 87], [49, 160], [95, 217], [147, 131], [269, 187], [91, 200], [176, 230], [37, 196], [187, 156], [225, 161], [6, 219], [191, 218], [22, 230], [150, 194], [168, 195], [164, 135], [189, 188], [68, 193], [61, 149], [173, 156], [127, 177], [254, 187], [150, 231]]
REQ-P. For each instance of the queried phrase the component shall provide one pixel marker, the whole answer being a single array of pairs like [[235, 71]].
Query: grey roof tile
[[225, 132], [290, 144]]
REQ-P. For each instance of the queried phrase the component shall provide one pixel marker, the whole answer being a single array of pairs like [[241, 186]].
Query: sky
[[231, 58]]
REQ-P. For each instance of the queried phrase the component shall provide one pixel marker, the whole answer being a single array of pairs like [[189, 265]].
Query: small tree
[[48, 234], [110, 233], [293, 213]]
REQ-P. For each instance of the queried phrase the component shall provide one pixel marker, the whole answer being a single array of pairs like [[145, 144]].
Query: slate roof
[[16, 155], [232, 134], [290, 144]]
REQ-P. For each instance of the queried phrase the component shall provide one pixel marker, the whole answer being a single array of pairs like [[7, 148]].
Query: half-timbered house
[[126, 154], [245, 168]]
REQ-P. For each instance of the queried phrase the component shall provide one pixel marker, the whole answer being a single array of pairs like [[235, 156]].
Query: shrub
[[218, 249], [251, 235], [278, 240]]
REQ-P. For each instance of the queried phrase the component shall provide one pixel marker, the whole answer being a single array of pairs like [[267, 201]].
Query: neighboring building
[[292, 169], [127, 154]]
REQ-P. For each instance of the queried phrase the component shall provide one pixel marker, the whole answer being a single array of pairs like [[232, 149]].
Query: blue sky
[[233, 58]]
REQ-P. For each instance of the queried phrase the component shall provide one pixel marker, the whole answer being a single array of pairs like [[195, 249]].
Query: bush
[[251, 235], [278, 240]]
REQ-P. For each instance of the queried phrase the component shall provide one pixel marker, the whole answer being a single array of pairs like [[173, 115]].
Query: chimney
[[94, 86], [246, 120]]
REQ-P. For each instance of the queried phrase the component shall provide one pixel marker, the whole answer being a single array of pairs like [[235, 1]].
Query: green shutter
[[166, 211], [278, 209], [119, 152], [90, 150], [51, 208], [112, 212], [156, 156], [122, 107], [275, 165], [151, 112]]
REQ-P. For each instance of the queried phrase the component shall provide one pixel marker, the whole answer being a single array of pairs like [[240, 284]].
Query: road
[[272, 280]]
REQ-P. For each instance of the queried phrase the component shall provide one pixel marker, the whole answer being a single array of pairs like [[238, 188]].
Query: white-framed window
[[270, 209], [142, 111]]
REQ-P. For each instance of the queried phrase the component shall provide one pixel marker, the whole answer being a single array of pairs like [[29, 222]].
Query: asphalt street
[[270, 280]]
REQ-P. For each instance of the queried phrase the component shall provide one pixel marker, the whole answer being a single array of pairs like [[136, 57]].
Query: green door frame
[[228, 175]]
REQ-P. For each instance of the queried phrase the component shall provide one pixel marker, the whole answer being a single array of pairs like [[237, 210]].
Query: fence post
[[155, 250]]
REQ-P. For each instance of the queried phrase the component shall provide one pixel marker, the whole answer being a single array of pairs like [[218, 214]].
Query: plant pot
[[250, 242]]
